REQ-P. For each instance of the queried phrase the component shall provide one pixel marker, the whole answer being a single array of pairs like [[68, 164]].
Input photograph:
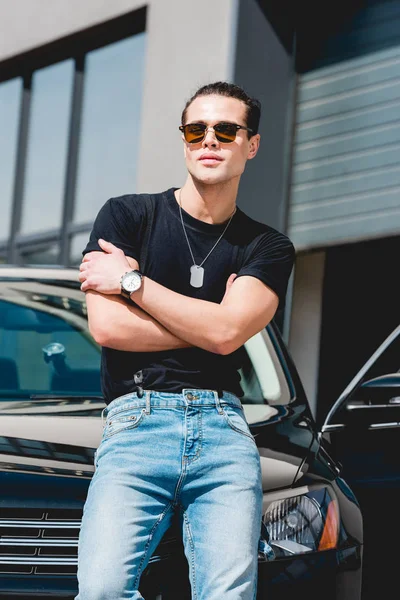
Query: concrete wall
[[27, 24], [305, 322], [266, 70], [179, 60]]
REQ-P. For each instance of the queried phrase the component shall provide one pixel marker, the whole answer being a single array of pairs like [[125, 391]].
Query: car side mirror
[[379, 390]]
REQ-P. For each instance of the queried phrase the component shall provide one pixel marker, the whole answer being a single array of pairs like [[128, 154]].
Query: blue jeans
[[192, 452]]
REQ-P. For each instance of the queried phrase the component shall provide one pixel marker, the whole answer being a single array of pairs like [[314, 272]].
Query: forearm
[[116, 324], [219, 328], [207, 325]]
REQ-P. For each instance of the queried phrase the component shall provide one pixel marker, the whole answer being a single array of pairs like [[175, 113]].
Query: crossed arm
[[163, 319]]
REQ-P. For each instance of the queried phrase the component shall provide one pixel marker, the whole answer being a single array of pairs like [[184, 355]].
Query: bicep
[[118, 222], [251, 305]]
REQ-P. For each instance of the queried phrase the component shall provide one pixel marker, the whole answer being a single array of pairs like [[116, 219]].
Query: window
[[45, 346], [69, 137], [109, 140], [387, 361], [10, 100], [78, 243], [49, 121], [262, 379], [42, 254]]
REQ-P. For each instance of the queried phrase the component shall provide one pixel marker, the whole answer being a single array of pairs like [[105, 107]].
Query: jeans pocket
[[129, 419], [236, 420]]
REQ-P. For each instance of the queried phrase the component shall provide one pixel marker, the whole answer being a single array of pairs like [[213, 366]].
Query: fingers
[[86, 283], [108, 246], [231, 279], [228, 286], [92, 255]]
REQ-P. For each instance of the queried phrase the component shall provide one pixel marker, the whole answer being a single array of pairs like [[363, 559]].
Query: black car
[[311, 536]]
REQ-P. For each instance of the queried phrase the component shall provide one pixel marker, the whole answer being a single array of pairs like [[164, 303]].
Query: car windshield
[[45, 346]]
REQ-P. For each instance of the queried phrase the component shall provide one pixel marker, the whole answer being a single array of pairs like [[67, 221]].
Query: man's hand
[[229, 283], [102, 271]]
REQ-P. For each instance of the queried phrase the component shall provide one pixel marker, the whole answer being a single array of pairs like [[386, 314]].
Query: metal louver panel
[[346, 166], [45, 541], [38, 542]]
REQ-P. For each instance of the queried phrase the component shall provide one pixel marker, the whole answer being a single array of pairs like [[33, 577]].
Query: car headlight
[[304, 523]]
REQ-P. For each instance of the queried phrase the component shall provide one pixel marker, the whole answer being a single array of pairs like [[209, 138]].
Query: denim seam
[[200, 442], [133, 426], [192, 559], [232, 426], [179, 485], [146, 549], [124, 408], [183, 464]]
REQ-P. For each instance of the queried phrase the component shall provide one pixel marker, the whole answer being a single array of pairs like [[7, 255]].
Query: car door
[[363, 428]]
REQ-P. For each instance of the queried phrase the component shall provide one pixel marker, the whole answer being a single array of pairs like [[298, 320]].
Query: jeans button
[[189, 396]]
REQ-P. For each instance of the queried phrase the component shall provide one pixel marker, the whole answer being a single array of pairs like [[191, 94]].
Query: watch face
[[131, 281]]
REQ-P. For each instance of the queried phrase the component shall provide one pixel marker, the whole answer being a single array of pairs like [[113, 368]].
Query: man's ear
[[254, 145]]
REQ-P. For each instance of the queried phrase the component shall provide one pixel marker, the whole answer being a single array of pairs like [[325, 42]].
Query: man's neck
[[209, 203]]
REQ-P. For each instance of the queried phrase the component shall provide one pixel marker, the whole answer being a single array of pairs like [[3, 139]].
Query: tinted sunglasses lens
[[194, 133], [225, 132]]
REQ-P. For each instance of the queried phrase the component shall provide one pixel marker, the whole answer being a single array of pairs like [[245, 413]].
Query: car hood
[[60, 436]]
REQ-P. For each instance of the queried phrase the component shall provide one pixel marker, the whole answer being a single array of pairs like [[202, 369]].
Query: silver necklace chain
[[187, 239]]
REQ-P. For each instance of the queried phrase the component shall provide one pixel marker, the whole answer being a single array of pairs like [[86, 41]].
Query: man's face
[[226, 160]]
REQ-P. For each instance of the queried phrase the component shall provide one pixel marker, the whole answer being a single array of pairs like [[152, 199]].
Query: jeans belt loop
[[218, 403], [148, 402]]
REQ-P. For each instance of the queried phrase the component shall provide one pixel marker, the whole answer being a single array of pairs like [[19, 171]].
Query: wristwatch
[[131, 281]]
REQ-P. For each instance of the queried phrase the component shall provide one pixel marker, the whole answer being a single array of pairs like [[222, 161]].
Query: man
[[175, 437]]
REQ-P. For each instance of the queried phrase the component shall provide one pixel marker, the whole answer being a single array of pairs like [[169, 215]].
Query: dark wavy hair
[[230, 90]]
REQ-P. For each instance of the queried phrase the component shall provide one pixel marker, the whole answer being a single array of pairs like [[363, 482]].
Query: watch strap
[[125, 293]]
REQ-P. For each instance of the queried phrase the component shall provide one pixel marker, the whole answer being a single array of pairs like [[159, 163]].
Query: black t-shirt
[[247, 248]]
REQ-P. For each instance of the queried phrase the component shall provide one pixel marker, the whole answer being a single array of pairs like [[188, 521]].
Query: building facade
[[91, 95]]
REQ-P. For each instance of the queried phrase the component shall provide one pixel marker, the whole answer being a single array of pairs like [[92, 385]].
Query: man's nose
[[210, 138]]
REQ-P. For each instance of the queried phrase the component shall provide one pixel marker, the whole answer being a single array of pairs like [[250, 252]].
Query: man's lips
[[210, 159]]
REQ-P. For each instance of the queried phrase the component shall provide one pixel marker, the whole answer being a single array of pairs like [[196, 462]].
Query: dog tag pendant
[[196, 276]]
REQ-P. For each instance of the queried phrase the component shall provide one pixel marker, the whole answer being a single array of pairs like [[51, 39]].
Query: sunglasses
[[224, 132]]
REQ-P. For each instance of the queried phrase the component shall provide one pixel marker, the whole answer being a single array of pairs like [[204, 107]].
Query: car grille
[[45, 542], [39, 542]]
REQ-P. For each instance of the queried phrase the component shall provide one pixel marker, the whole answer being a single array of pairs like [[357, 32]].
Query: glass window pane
[[78, 243], [47, 147], [10, 99], [45, 254], [44, 342], [110, 125]]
